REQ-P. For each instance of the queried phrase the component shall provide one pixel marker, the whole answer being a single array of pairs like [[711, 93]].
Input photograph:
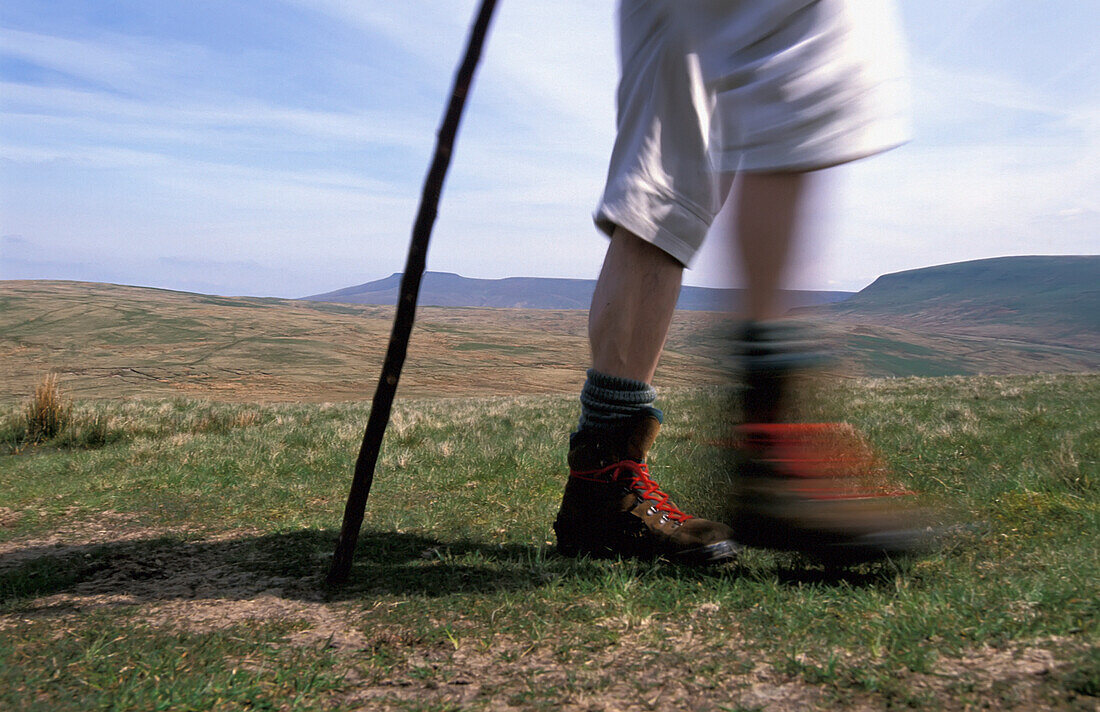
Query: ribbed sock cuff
[[770, 355], [779, 346], [609, 401]]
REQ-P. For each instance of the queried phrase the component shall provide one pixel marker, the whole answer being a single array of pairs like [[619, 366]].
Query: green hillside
[[1047, 299]]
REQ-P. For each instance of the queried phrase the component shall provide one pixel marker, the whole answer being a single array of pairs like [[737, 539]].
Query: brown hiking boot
[[817, 488], [612, 507]]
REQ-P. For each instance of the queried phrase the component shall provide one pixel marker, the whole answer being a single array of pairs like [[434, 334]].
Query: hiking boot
[[612, 507], [817, 488]]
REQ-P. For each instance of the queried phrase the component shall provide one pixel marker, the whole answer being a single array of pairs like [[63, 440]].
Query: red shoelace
[[641, 482]]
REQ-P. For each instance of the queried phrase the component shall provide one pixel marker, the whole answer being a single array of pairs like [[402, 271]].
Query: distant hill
[[1046, 299], [109, 341], [444, 289]]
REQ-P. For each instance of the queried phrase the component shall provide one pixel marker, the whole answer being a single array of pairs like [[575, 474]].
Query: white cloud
[[184, 150], [233, 120]]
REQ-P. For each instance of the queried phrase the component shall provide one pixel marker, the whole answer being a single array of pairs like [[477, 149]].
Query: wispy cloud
[[31, 111], [294, 138]]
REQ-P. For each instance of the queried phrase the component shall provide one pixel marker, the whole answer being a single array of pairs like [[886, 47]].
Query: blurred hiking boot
[[817, 488], [612, 507]]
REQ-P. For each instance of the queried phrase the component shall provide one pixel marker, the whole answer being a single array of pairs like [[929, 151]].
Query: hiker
[[767, 91]]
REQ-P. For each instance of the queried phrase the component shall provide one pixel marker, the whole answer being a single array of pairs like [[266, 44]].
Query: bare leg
[[632, 307], [769, 209]]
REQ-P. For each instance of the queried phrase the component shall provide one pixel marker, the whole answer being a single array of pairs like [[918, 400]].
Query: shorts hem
[[789, 159], [658, 235]]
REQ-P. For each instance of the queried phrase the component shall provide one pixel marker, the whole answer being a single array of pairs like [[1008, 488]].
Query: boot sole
[[716, 553], [711, 554], [837, 550]]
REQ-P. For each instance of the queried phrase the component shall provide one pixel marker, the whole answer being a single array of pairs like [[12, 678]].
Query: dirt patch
[[175, 578], [1020, 675], [106, 526], [326, 624], [109, 561], [9, 517], [509, 675]]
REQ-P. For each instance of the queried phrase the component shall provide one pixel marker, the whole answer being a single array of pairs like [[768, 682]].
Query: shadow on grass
[[293, 565]]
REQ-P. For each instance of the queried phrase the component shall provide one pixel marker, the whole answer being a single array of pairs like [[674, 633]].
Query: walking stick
[[406, 304]]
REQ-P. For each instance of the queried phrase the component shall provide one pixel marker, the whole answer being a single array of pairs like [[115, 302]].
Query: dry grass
[[108, 341], [49, 412]]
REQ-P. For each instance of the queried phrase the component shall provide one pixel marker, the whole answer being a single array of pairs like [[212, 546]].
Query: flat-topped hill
[[443, 289], [1049, 299]]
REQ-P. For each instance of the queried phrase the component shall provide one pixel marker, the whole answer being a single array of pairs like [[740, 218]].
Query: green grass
[[883, 355], [178, 564], [108, 663]]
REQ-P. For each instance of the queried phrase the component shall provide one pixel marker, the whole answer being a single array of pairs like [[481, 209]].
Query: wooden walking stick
[[406, 304]]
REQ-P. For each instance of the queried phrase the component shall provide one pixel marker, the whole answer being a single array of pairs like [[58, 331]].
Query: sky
[[278, 148]]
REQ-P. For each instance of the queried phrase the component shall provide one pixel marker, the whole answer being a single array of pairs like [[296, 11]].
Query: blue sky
[[278, 147]]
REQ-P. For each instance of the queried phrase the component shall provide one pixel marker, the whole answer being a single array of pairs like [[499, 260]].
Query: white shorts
[[721, 86]]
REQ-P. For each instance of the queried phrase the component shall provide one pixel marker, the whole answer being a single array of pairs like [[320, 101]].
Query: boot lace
[[637, 474]]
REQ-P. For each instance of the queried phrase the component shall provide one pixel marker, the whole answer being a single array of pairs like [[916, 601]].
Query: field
[[167, 552], [108, 341]]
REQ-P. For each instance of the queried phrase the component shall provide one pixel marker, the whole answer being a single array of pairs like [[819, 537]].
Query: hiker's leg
[[632, 307], [658, 202], [611, 506], [769, 225]]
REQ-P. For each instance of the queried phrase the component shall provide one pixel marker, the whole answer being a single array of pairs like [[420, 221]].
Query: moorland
[[1001, 316], [163, 542]]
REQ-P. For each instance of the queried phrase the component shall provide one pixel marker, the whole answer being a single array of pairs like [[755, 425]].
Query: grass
[[899, 358], [48, 412], [104, 664], [178, 564]]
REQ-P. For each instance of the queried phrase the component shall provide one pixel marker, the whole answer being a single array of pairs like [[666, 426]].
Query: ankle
[[610, 403]]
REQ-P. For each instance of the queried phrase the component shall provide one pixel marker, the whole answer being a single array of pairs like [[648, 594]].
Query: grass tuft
[[48, 413], [1083, 676], [50, 418]]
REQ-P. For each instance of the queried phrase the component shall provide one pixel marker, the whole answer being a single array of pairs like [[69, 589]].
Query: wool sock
[[770, 354], [609, 402]]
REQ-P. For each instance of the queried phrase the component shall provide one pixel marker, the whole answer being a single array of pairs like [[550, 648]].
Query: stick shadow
[[293, 564]]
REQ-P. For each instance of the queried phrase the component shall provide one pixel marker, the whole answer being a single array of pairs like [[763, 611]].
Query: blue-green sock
[[608, 402]]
